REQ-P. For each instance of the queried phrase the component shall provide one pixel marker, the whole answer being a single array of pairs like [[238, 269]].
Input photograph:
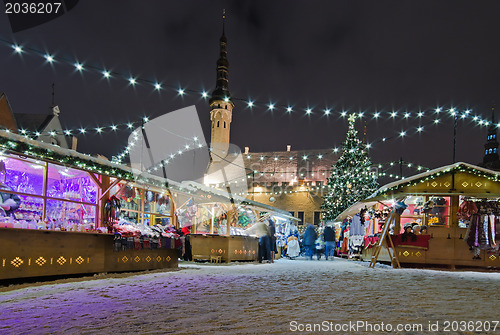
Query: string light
[[17, 48], [133, 81], [79, 67], [49, 58]]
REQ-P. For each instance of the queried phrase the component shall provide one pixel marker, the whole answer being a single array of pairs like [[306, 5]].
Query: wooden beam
[[113, 184], [94, 178]]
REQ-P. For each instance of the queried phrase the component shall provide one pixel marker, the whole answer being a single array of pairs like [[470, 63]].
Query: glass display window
[[72, 216], [30, 209], [413, 214], [162, 220], [22, 175], [130, 197], [437, 211], [134, 217], [157, 203], [143, 206], [71, 184]]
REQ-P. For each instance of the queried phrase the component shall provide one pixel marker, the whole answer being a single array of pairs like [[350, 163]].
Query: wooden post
[[105, 182]]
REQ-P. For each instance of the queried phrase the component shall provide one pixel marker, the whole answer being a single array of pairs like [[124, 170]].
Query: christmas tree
[[351, 178]]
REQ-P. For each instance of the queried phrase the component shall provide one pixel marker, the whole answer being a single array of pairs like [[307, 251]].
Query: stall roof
[[417, 183], [354, 209], [22, 145]]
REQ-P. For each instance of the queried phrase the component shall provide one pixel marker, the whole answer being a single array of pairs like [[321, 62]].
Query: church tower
[[491, 158], [221, 105]]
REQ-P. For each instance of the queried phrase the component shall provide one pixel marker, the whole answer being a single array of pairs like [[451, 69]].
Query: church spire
[[221, 91]]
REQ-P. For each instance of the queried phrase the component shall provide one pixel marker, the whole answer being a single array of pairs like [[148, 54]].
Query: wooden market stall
[[218, 223], [54, 216], [459, 206]]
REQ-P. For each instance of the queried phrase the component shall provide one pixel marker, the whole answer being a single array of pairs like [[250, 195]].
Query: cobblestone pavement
[[257, 298]]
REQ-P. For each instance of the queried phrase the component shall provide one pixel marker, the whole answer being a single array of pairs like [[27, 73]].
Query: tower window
[[490, 151], [225, 106], [224, 124], [218, 124], [495, 150], [486, 152]]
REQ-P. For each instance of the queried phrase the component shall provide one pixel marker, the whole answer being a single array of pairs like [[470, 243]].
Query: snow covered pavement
[[248, 298]]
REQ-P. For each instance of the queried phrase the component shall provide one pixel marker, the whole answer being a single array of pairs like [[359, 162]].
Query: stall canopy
[[14, 143], [459, 178], [354, 209]]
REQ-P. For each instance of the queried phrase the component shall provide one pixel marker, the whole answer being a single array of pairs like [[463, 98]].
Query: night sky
[[357, 56]]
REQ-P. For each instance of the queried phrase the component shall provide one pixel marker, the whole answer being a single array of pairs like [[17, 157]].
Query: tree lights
[[351, 178]]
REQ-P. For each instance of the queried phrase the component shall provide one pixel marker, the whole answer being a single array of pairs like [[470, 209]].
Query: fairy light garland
[[492, 177], [309, 111]]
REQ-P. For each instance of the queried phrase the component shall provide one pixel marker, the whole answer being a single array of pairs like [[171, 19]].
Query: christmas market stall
[[448, 216], [59, 207], [367, 219], [218, 223]]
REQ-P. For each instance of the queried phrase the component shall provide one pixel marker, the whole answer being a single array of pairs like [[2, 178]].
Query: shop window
[[437, 211], [30, 209], [300, 216], [157, 203], [292, 214], [317, 218], [157, 208], [66, 215], [71, 184], [134, 217], [130, 198], [22, 175]]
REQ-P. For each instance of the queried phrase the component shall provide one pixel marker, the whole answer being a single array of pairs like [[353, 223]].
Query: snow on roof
[[444, 169], [189, 187]]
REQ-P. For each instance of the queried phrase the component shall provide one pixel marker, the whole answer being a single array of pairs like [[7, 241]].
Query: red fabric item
[[422, 241], [146, 244], [137, 243], [178, 243], [186, 230], [370, 241]]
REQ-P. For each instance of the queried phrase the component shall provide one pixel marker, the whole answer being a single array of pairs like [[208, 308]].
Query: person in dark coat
[[272, 239], [329, 237], [309, 240]]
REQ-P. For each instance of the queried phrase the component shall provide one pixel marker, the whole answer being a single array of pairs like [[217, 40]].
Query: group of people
[[411, 230], [315, 244]]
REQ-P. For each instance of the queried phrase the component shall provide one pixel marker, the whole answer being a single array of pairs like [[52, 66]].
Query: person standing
[[261, 230], [329, 238], [272, 239], [309, 240]]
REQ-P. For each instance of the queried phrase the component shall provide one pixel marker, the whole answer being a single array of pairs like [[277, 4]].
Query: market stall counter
[[230, 248], [33, 253]]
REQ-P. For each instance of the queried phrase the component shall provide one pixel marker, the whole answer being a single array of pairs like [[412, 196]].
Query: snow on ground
[[250, 298]]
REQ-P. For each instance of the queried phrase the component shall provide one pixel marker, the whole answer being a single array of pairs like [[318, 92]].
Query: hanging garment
[[466, 210], [357, 227], [486, 230], [492, 230]]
